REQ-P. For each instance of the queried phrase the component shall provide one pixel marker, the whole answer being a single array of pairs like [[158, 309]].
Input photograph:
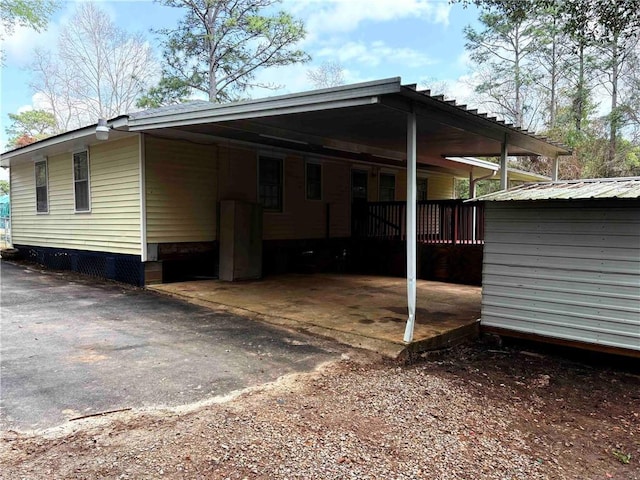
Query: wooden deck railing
[[438, 221]]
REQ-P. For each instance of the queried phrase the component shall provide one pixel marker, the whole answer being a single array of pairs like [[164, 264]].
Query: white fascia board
[[475, 162], [362, 94], [216, 116], [88, 132], [5, 159]]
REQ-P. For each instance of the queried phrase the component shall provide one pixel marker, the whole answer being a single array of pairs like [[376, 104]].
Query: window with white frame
[[270, 182], [387, 187], [314, 181], [81, 181], [42, 186]]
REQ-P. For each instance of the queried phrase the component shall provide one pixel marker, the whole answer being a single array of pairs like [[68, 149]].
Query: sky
[[420, 41]]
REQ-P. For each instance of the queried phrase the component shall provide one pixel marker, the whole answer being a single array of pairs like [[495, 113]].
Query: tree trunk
[[579, 100], [517, 80], [614, 102], [554, 74], [213, 84]]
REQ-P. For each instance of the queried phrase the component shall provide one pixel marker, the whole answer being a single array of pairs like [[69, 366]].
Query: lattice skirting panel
[[112, 266]]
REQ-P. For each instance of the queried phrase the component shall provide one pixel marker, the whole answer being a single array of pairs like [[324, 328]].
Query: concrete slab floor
[[363, 311]]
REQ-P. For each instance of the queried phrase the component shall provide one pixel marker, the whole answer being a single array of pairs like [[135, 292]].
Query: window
[[81, 180], [387, 187], [270, 183], [42, 187], [314, 181], [422, 189]]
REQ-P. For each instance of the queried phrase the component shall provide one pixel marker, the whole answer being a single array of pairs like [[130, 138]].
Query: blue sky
[[418, 40]]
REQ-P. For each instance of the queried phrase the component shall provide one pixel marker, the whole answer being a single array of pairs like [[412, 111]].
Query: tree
[[30, 126], [98, 71], [503, 49], [612, 28], [219, 46], [329, 74], [4, 187], [26, 13]]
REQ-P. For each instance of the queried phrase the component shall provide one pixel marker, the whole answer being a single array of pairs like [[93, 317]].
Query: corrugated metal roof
[[569, 190]]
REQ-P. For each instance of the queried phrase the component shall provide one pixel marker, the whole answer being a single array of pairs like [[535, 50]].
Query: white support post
[[554, 170], [472, 194], [504, 152], [411, 226]]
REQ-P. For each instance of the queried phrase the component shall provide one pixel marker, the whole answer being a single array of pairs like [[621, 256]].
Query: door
[[359, 196]]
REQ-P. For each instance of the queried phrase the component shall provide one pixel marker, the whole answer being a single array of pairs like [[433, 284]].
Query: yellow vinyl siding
[[440, 186], [181, 191], [112, 225]]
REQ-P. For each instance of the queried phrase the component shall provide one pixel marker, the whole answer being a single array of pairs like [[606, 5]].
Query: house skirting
[[112, 266], [179, 261]]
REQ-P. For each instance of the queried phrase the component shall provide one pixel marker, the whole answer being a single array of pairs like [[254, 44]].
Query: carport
[[381, 122]]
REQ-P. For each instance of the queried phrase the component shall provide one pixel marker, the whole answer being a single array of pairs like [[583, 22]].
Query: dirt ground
[[476, 412]]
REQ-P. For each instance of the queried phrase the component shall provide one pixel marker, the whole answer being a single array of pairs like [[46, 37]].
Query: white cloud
[[20, 43], [333, 16], [375, 54]]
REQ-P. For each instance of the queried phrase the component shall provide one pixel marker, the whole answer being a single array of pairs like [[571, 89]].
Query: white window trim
[[73, 177], [44, 160], [306, 190], [282, 157]]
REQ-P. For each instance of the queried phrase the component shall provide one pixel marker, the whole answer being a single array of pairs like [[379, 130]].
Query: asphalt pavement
[[73, 345]]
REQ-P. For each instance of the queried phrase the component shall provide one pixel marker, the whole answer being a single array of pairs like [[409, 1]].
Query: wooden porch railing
[[438, 221]]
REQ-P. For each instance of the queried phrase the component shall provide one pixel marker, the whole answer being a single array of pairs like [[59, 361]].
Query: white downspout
[[143, 197], [411, 226], [554, 171], [472, 194]]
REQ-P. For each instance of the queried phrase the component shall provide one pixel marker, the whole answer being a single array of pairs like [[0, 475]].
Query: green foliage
[[503, 50], [169, 91], [30, 126], [567, 50], [218, 47], [26, 13], [622, 457], [4, 187]]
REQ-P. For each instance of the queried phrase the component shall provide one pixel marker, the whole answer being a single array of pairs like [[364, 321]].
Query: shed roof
[[596, 188]]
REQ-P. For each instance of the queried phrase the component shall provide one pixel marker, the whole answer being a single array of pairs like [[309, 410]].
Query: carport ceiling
[[369, 118], [375, 129]]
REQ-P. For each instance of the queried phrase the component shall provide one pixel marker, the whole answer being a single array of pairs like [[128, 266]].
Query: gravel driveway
[[474, 413]]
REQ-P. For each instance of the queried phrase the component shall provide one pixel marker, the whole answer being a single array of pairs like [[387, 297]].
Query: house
[[562, 263], [229, 189]]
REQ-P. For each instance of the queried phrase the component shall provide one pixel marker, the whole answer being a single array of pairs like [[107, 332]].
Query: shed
[[562, 263]]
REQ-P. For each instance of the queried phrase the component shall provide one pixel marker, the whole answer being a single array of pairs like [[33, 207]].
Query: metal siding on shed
[[112, 225], [564, 269]]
